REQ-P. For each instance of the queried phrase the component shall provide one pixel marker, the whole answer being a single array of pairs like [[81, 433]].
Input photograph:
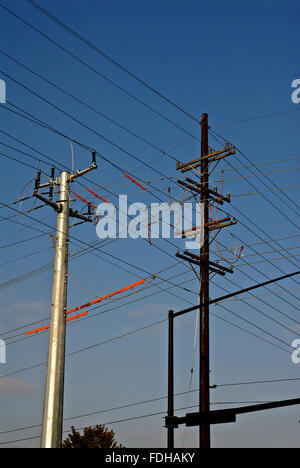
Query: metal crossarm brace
[[57, 207]]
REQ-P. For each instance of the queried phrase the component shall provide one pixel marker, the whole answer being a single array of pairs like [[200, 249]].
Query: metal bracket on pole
[[80, 173], [57, 207], [75, 214]]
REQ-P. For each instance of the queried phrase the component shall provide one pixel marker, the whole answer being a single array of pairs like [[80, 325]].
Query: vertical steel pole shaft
[[54, 391], [171, 378]]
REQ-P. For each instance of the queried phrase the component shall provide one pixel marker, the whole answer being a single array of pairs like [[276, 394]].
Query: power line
[[33, 149], [88, 106], [267, 242], [144, 416], [117, 64], [263, 313], [25, 256], [248, 331], [130, 193], [140, 329], [118, 167], [266, 177], [26, 154], [116, 145], [152, 400], [260, 116], [110, 422], [148, 181], [255, 326], [257, 235], [16, 160], [60, 133], [50, 265], [269, 260], [267, 316], [266, 276], [173, 285], [82, 145], [96, 71]]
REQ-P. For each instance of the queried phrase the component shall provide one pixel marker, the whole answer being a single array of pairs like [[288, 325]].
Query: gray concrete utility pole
[[54, 389]]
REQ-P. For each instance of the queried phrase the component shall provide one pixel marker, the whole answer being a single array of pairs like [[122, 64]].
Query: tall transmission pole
[[54, 389], [207, 197], [204, 374]]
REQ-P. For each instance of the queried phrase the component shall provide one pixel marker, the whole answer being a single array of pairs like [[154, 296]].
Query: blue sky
[[233, 60]]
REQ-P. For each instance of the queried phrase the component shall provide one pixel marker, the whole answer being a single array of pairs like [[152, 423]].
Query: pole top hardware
[[52, 182]]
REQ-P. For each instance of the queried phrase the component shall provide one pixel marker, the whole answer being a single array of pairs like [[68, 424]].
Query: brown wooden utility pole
[[171, 379], [204, 396], [207, 197]]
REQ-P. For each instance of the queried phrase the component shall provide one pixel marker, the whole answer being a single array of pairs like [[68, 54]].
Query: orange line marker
[[134, 181], [131, 286], [82, 199], [48, 326], [76, 316], [98, 196], [106, 297], [38, 330]]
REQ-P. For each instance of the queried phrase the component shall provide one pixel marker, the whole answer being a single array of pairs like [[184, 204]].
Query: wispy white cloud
[[17, 386], [22, 312]]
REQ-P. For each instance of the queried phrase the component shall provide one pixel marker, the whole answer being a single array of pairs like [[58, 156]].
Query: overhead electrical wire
[[141, 417], [37, 121], [108, 140], [110, 59], [265, 176], [255, 117], [266, 276], [152, 400], [97, 72], [291, 330], [271, 335], [96, 110], [138, 330]]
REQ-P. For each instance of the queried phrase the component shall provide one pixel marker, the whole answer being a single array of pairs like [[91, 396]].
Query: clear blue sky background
[[231, 59]]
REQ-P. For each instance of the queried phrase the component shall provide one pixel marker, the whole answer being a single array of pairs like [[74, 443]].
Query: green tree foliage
[[92, 437]]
